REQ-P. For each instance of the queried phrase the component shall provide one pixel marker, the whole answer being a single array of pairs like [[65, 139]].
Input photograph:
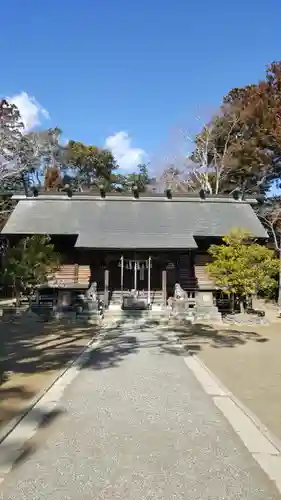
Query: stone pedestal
[[180, 310], [205, 309], [90, 312], [68, 316], [131, 303], [64, 299], [91, 306]]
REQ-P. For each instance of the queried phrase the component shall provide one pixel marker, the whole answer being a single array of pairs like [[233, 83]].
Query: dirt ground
[[32, 353], [247, 359]]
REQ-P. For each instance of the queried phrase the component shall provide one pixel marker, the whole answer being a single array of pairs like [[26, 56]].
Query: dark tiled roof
[[123, 222]]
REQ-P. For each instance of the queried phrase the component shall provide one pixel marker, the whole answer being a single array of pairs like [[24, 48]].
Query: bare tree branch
[[210, 162], [270, 226]]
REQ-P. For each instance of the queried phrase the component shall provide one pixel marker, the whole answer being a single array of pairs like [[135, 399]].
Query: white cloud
[[127, 157], [32, 113], [64, 141]]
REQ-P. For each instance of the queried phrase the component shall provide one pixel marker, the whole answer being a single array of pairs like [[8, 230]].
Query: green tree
[[243, 267], [140, 179], [269, 214], [30, 263], [91, 165]]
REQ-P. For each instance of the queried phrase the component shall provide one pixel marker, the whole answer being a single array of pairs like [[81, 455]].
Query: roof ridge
[[141, 199]]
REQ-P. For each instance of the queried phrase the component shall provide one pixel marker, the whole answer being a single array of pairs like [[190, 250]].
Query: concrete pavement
[[136, 424]]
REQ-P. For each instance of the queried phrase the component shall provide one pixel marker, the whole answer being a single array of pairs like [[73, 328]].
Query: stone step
[[90, 317], [118, 293], [134, 314], [206, 318], [187, 285], [155, 297]]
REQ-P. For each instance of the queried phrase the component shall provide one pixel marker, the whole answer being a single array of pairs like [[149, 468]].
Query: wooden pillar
[[178, 269], [192, 261], [148, 278], [135, 276], [164, 287], [106, 284], [122, 276], [76, 273]]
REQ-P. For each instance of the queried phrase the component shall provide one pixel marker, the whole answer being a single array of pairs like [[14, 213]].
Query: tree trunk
[[279, 284], [241, 303], [30, 298], [17, 300], [17, 291], [248, 302], [217, 187], [232, 302]]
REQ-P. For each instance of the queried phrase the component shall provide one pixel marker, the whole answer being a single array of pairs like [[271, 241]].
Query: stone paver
[[137, 425]]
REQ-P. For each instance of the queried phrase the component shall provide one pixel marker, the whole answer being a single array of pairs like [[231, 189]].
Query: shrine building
[[146, 243]]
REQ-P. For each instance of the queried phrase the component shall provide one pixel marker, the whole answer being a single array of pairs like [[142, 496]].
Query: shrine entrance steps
[[156, 297], [115, 312]]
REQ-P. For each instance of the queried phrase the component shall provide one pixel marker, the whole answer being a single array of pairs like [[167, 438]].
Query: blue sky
[[135, 71]]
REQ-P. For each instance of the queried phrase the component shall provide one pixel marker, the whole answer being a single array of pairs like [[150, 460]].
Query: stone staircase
[[114, 311], [156, 298], [117, 314]]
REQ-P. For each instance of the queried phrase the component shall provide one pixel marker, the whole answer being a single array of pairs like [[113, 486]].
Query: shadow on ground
[[119, 340], [31, 351], [27, 449], [30, 346], [177, 339], [34, 347], [197, 336]]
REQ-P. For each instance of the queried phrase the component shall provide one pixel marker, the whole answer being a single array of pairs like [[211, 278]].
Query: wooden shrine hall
[[145, 243]]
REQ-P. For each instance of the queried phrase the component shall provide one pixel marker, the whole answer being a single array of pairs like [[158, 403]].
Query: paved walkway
[[137, 425]]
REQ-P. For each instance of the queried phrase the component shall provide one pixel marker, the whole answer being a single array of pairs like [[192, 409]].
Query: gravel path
[[137, 425]]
